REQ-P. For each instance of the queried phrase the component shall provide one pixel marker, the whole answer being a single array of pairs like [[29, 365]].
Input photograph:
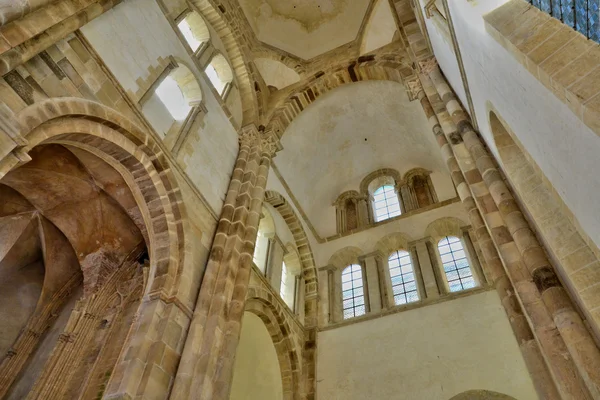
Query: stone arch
[[188, 82], [309, 270], [344, 257], [365, 185], [198, 29], [260, 302], [392, 242], [384, 67], [275, 73], [111, 136], [136, 155], [442, 227], [223, 70], [482, 395], [222, 22]]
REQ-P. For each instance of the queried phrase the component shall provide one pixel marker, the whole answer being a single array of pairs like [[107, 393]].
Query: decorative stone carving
[[426, 66], [413, 89]]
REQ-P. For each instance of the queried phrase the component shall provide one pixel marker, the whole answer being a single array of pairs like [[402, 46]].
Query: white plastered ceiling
[[305, 28], [325, 152]]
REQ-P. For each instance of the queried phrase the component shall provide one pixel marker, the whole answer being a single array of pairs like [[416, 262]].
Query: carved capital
[[249, 135], [269, 143], [413, 88], [427, 66]]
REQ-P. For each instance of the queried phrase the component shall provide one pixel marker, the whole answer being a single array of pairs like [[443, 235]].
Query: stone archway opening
[[106, 211], [257, 373], [74, 253]]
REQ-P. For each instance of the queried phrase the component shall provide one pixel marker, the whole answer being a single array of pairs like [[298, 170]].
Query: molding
[[461, 65], [410, 306]]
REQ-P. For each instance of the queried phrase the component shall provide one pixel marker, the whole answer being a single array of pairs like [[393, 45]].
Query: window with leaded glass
[[456, 265], [385, 203], [353, 292], [404, 284]]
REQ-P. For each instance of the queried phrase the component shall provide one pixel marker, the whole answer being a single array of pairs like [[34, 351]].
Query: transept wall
[[146, 300]]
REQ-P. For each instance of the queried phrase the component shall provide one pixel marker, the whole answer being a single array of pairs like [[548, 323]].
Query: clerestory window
[[404, 284], [353, 292], [385, 203], [455, 264]]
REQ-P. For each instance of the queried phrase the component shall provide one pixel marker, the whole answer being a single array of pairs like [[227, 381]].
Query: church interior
[[299, 199]]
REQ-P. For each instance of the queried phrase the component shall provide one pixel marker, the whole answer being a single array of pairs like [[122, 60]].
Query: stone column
[[206, 367], [372, 279], [530, 350], [334, 278], [538, 283], [363, 212], [472, 257], [426, 266], [408, 197], [274, 263]]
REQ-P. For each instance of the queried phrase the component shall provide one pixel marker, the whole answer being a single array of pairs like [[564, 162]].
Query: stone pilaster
[[426, 266], [275, 255], [363, 212], [206, 368], [372, 279], [538, 283], [542, 378]]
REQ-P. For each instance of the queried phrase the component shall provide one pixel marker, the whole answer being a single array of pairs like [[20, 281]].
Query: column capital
[[413, 88], [374, 254], [269, 143], [249, 135], [427, 66]]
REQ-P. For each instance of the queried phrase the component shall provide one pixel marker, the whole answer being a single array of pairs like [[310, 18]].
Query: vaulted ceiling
[[306, 28]]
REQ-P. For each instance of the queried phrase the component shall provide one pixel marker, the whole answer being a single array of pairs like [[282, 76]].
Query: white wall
[[564, 148], [130, 38], [256, 372], [429, 353]]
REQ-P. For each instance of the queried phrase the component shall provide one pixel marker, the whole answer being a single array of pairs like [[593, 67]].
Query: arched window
[[171, 98], [404, 284], [456, 265], [220, 74], [385, 203], [288, 286], [353, 294], [266, 229], [194, 30]]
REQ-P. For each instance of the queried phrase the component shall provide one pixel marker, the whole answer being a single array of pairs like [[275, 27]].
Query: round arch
[[385, 67], [135, 154], [112, 137], [274, 317], [482, 395], [221, 22], [309, 270], [442, 227]]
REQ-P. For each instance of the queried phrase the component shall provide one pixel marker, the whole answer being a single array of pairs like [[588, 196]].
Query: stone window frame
[[182, 127], [337, 263], [455, 259], [414, 272], [354, 307], [291, 258], [229, 84], [471, 257], [204, 46]]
